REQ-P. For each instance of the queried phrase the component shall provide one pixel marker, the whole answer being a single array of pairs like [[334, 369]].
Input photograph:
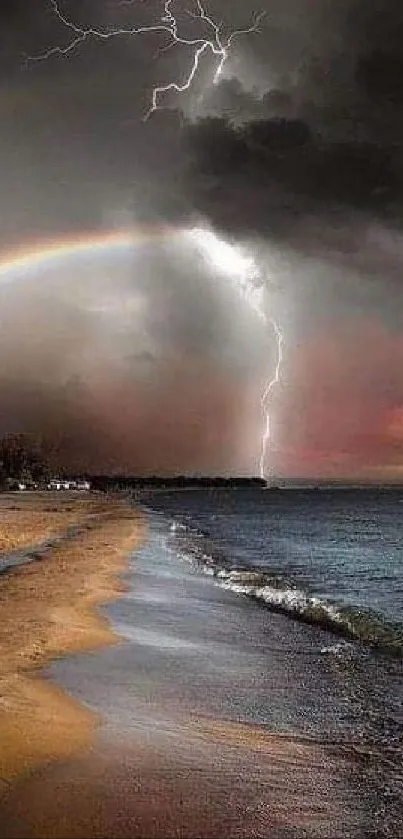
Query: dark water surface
[[334, 556], [327, 559], [207, 672]]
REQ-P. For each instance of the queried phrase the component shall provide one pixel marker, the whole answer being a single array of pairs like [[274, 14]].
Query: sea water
[[331, 563]]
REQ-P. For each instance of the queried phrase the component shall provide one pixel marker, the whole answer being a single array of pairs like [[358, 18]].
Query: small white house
[[55, 484], [58, 484]]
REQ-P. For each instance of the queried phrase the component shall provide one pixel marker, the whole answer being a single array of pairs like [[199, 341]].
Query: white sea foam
[[337, 649], [176, 526], [280, 595], [290, 600]]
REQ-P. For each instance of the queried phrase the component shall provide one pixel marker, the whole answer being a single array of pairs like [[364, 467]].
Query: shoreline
[[49, 610], [157, 736], [170, 756], [30, 520]]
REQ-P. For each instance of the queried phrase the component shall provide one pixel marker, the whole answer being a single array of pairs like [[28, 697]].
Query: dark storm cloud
[[74, 146], [311, 161], [321, 155], [303, 151], [269, 157]]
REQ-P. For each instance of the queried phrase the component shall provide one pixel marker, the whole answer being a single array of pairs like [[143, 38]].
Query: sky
[[147, 358]]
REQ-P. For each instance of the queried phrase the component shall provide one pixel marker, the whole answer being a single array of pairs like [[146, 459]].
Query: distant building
[[59, 484], [55, 484], [83, 486], [15, 485]]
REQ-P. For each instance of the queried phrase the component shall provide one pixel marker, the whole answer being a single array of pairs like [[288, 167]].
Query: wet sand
[[190, 789], [160, 745], [46, 610]]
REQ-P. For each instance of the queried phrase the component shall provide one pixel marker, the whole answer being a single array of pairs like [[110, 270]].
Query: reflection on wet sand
[[191, 787], [181, 749]]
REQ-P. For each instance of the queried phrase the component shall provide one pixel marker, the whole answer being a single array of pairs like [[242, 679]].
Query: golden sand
[[47, 609], [27, 519], [220, 778]]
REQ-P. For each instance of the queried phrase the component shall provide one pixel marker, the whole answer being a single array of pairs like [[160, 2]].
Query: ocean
[[331, 563], [327, 557], [257, 685]]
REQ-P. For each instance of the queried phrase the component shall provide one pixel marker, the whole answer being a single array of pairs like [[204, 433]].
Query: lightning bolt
[[247, 279], [252, 294], [245, 273], [265, 400], [167, 25]]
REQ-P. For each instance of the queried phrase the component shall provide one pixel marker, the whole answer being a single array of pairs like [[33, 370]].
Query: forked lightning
[[166, 25], [219, 47]]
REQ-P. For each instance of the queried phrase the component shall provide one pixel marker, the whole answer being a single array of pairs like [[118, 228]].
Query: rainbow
[[45, 253]]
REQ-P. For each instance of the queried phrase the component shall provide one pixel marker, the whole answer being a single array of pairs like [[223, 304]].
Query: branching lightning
[[241, 268], [168, 25]]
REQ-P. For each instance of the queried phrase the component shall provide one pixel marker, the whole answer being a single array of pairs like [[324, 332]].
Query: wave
[[280, 594]]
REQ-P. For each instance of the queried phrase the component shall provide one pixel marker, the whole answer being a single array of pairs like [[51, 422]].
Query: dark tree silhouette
[[106, 483], [23, 458]]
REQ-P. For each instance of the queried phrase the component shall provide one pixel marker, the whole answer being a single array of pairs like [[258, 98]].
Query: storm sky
[[146, 359]]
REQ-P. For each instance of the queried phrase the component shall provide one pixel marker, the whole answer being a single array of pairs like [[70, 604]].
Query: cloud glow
[[235, 262], [224, 257]]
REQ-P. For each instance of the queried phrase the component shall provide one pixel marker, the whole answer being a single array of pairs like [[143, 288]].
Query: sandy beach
[[47, 610], [131, 725]]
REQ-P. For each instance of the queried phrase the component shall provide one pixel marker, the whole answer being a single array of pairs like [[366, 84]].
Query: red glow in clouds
[[342, 405]]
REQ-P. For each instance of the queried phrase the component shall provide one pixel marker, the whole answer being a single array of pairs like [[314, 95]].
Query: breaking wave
[[284, 595]]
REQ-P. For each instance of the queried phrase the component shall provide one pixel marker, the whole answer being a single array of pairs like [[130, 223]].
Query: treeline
[[23, 459], [26, 459], [107, 483]]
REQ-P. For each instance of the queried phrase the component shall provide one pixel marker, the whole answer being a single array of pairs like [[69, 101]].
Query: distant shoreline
[[132, 484]]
